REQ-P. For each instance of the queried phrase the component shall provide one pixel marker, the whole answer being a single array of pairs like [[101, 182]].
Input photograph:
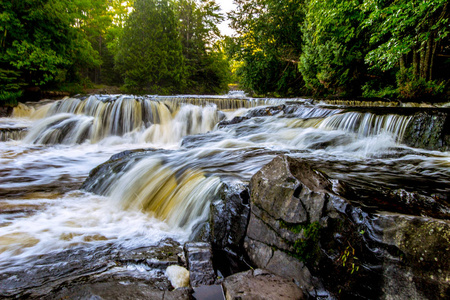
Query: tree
[[332, 62], [268, 45], [42, 41], [150, 52], [207, 69], [410, 36]]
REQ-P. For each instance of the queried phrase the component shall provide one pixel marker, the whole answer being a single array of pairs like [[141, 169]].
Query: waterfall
[[22, 111], [93, 119], [60, 129], [222, 103], [367, 124], [7, 134], [173, 192]]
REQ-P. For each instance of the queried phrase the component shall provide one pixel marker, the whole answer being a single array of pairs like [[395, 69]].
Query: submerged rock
[[301, 229]]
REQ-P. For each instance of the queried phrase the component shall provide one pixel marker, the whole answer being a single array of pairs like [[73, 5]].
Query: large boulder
[[302, 228]]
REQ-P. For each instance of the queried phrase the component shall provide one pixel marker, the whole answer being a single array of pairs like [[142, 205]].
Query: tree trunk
[[433, 53], [425, 65], [402, 64], [416, 63]]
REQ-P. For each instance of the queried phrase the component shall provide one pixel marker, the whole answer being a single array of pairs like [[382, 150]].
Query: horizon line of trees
[[145, 46], [343, 48], [328, 48]]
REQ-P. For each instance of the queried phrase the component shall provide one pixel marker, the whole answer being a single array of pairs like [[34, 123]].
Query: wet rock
[[302, 230], [229, 216], [16, 133], [198, 140], [119, 291], [256, 112], [235, 120], [5, 111], [260, 284], [199, 263], [102, 175], [98, 272], [266, 111], [429, 130], [228, 223]]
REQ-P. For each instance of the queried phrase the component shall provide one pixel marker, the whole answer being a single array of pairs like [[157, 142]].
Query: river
[[191, 147]]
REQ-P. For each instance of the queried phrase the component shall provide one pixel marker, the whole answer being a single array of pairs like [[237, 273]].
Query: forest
[[392, 49]]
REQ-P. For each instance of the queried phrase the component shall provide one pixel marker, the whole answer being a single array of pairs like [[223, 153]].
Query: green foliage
[[169, 47], [150, 52], [416, 88], [206, 66], [332, 61], [10, 85], [44, 40], [388, 92], [268, 45], [307, 248], [8, 98], [405, 27]]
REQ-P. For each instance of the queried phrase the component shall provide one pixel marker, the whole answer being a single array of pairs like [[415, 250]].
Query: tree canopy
[[395, 48], [157, 46], [328, 48]]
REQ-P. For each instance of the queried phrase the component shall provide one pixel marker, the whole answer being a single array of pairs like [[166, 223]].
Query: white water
[[167, 192]]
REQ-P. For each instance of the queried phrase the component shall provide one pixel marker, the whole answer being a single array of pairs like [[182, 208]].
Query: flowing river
[[180, 150]]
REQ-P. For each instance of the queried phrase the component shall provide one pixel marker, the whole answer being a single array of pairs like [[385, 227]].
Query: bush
[[414, 88], [388, 92], [9, 98]]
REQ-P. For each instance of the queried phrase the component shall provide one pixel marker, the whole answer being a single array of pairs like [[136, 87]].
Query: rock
[[228, 223], [178, 276], [256, 112], [101, 177], [260, 284], [119, 291], [300, 229], [429, 130], [229, 216], [17, 133], [5, 111], [199, 263], [96, 273]]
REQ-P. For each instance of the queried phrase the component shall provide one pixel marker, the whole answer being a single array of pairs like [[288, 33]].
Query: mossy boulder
[[303, 228]]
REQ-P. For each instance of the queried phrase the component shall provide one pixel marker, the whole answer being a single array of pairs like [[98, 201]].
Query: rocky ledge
[[302, 228]]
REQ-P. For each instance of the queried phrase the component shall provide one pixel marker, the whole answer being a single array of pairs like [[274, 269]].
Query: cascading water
[[176, 155], [368, 124]]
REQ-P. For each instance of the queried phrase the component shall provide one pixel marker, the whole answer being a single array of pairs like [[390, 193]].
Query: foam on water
[[80, 219], [166, 193]]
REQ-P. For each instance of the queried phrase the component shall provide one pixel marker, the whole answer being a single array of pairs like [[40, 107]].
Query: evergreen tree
[[150, 54], [207, 69]]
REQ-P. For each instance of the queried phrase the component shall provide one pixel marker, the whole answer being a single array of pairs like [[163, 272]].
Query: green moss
[[307, 248], [295, 228]]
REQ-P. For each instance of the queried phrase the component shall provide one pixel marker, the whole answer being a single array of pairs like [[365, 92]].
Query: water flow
[[368, 124], [73, 120], [175, 194], [147, 195]]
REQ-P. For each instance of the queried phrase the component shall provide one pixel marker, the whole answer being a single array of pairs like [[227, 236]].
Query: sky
[[226, 5]]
